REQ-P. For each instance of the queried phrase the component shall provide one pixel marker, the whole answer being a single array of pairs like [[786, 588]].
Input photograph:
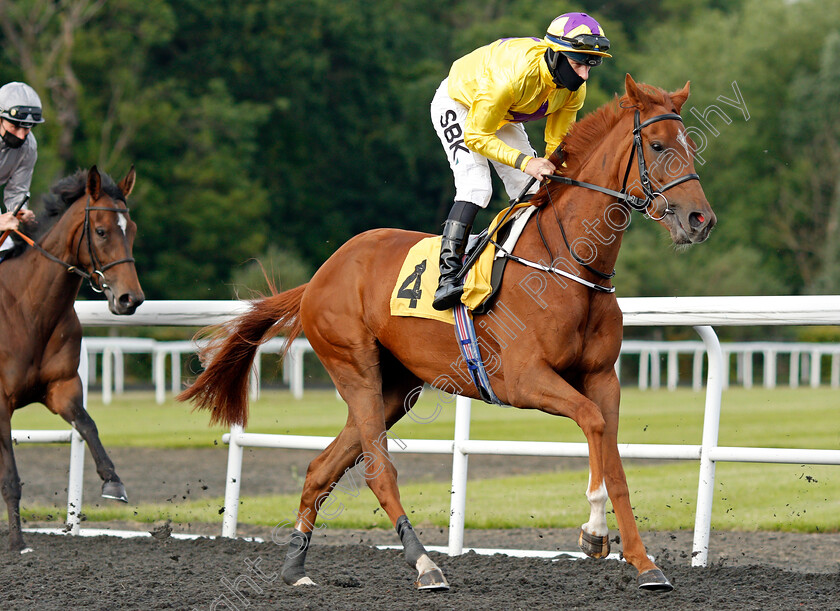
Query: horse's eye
[[100, 232], [656, 146]]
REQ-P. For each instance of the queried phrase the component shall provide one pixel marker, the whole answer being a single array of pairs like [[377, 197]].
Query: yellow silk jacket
[[508, 81]]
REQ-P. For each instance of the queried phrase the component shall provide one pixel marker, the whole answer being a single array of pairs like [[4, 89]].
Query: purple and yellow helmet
[[579, 37]]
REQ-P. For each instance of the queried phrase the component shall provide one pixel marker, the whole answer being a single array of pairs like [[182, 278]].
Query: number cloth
[[418, 279]]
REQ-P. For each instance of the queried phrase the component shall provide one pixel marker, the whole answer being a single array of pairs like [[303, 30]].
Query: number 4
[[414, 293]]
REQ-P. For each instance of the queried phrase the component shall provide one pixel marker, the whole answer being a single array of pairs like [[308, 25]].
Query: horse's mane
[[584, 135], [62, 195]]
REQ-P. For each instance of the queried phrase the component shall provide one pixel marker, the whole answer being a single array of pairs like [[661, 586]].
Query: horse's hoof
[[16, 545], [594, 546], [432, 580], [114, 490], [654, 580], [304, 581]]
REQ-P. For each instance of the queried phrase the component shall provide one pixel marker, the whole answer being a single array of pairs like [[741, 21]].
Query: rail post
[[233, 481], [458, 504], [711, 428]]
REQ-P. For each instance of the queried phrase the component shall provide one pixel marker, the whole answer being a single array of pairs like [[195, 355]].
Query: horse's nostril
[[129, 300], [696, 220]]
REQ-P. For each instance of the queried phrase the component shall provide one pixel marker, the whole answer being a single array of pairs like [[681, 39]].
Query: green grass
[[779, 418], [747, 496]]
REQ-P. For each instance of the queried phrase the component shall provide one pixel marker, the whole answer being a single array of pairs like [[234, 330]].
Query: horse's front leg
[[604, 390], [547, 391], [65, 399], [10, 482]]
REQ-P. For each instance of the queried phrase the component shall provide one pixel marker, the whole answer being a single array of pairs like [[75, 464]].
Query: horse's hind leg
[[10, 484], [346, 451], [65, 399], [400, 391], [321, 477]]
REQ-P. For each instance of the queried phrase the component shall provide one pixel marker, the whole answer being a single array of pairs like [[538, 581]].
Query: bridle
[[650, 194], [96, 277], [636, 203], [98, 268]]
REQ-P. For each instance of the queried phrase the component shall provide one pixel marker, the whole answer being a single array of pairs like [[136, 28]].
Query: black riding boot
[[456, 232]]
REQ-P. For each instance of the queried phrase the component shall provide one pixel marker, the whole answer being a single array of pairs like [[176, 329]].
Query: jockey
[[478, 112], [20, 110]]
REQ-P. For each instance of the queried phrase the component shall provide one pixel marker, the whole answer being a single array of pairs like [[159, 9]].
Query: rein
[[96, 278], [636, 203]]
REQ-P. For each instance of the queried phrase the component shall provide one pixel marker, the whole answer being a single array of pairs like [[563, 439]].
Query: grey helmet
[[20, 104]]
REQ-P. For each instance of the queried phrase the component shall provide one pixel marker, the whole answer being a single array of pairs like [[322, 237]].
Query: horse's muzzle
[[691, 228], [125, 304], [701, 224]]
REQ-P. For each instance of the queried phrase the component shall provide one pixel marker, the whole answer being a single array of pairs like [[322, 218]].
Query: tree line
[[278, 129]]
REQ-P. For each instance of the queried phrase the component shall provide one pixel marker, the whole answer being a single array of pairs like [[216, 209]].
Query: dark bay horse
[[84, 232], [555, 338]]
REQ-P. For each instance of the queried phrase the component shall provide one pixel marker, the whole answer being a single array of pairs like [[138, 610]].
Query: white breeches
[[473, 182]]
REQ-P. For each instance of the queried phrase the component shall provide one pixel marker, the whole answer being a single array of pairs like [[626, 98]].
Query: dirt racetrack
[[748, 570], [109, 573]]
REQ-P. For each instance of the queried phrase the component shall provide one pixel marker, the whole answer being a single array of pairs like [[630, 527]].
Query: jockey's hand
[[539, 168], [26, 216], [8, 222]]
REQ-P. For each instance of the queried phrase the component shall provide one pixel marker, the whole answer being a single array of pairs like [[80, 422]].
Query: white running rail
[[702, 313]]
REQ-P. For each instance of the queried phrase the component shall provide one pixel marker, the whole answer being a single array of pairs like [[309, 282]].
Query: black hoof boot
[[294, 573], [429, 575], [654, 580], [115, 491]]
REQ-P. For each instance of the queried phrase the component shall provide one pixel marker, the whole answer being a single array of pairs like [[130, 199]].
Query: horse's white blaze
[[122, 222], [682, 138], [597, 524]]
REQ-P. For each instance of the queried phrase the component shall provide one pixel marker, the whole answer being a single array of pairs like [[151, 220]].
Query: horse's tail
[[222, 388]]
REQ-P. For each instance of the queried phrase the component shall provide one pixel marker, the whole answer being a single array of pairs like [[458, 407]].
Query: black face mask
[[12, 141], [561, 71]]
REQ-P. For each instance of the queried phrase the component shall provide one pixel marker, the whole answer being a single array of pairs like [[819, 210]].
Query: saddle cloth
[[418, 278]]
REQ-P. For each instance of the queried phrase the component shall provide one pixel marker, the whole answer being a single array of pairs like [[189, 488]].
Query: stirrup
[[447, 296]]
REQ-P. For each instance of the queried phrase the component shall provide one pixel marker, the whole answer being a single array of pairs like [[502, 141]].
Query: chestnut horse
[[555, 337], [85, 232]]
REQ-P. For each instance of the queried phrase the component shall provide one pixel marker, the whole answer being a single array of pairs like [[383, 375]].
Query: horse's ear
[[127, 184], [94, 183], [679, 97], [634, 93]]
